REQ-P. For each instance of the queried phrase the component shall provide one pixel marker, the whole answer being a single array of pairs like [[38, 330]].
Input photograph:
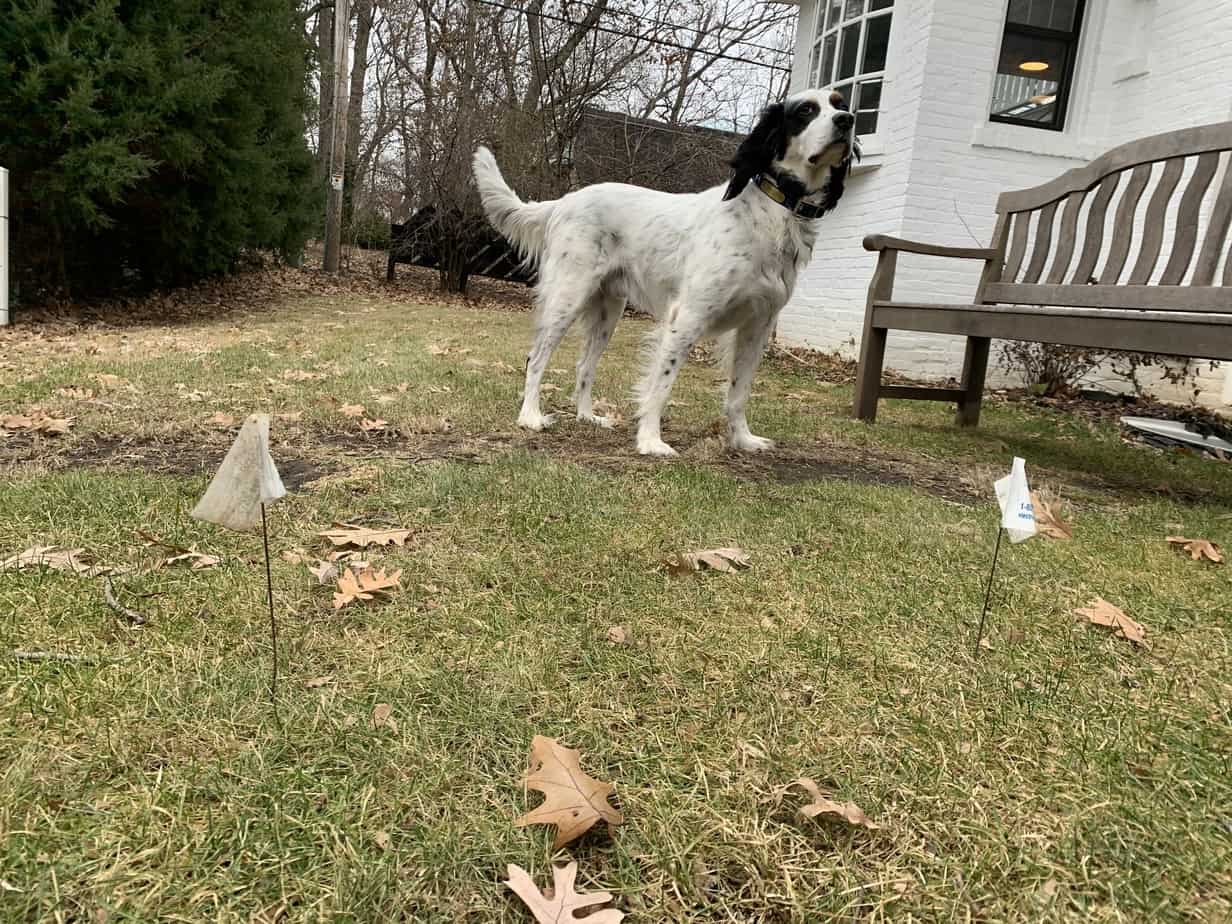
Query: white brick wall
[[1144, 66]]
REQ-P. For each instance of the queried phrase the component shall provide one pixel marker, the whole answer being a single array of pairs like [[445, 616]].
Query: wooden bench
[[1032, 289]]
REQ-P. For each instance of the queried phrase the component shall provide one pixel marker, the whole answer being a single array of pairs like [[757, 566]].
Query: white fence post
[[4, 247]]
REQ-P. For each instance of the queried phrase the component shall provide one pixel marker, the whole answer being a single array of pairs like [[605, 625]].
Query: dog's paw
[[655, 447], [605, 422], [750, 443], [535, 421]]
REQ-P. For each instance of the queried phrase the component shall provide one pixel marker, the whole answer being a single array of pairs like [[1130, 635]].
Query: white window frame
[[820, 33]]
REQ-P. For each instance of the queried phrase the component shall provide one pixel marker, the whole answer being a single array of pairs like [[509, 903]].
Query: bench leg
[[868, 376], [975, 366]]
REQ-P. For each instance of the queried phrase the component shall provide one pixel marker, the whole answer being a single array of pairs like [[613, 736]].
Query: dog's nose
[[844, 121]]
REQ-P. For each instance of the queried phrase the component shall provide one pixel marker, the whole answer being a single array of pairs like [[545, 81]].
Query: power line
[[643, 38], [678, 25]]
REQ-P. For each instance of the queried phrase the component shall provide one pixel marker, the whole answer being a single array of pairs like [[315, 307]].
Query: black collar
[[797, 205]]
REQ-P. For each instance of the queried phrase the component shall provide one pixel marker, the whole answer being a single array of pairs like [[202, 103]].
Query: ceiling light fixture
[[1033, 66]]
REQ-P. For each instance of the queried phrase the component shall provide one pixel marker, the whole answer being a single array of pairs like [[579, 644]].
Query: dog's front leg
[[750, 344], [673, 350]]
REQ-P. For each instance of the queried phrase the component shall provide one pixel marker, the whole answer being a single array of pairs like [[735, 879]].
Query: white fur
[[702, 266]]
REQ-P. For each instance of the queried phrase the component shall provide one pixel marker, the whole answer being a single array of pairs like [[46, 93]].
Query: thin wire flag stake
[[1017, 519], [245, 484]]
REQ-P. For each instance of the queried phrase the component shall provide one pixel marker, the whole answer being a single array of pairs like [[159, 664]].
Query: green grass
[[1062, 776]]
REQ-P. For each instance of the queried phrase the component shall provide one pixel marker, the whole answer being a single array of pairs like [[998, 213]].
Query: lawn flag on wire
[[244, 485], [1017, 521]]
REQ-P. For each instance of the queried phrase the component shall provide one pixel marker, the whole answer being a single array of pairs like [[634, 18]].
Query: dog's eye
[[808, 109]]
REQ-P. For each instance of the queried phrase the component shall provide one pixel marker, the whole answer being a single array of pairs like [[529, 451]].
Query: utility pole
[[337, 145], [4, 247]]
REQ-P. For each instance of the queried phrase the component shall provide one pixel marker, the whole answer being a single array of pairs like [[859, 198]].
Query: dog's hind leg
[[601, 318], [746, 352]]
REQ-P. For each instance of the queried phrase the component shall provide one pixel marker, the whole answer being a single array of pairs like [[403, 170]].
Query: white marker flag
[[246, 479], [1014, 496]]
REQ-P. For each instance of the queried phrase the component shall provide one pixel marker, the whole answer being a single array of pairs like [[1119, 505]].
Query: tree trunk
[[325, 87], [365, 11]]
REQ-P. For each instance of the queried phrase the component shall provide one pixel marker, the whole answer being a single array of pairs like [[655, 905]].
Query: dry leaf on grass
[[41, 423], [290, 416], [604, 408], [728, 559], [360, 537], [1100, 612], [574, 801], [558, 904], [325, 572], [845, 811], [220, 419], [383, 717], [352, 410], [438, 350], [195, 560], [107, 379], [364, 585], [317, 682], [381, 839], [370, 425], [1048, 518], [1198, 549], [617, 635], [295, 555], [74, 561], [301, 375]]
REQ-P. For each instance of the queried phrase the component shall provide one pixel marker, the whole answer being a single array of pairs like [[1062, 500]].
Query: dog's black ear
[[765, 144], [837, 181]]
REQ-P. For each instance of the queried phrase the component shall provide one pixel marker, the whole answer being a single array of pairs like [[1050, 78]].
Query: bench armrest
[[881, 242]]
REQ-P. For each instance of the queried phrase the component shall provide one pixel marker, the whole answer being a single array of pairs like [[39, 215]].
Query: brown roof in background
[[613, 147]]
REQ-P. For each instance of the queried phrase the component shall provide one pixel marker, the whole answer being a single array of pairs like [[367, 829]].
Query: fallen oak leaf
[[364, 585], [344, 534], [317, 682], [76, 392], [1100, 612], [352, 410], [196, 560], [574, 801], [1048, 520], [846, 811], [370, 425], [617, 635], [725, 560], [221, 419], [74, 561], [1198, 549], [558, 904]]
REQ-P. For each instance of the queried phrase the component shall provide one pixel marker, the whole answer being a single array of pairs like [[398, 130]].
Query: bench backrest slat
[[1153, 224], [1216, 235], [1187, 219], [1043, 241], [1095, 229], [1018, 245], [1069, 236], [1123, 233]]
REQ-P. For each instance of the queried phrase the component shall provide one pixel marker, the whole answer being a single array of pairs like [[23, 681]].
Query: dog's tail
[[524, 224]]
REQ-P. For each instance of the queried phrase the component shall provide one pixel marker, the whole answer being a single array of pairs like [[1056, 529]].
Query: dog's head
[[808, 139]]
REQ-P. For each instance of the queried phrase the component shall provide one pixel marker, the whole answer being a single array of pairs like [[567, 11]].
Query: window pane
[[879, 5], [875, 44], [1028, 78], [814, 60], [847, 90], [832, 17], [848, 51], [854, 9], [866, 123], [870, 94], [827, 60], [1044, 14]]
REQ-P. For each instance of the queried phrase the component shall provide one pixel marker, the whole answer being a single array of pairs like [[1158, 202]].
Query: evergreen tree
[[150, 142]]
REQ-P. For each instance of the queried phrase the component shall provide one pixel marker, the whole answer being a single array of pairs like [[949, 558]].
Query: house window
[[1036, 68], [850, 39]]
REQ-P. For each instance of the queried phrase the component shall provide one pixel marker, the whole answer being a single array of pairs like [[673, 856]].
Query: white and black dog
[[723, 261]]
